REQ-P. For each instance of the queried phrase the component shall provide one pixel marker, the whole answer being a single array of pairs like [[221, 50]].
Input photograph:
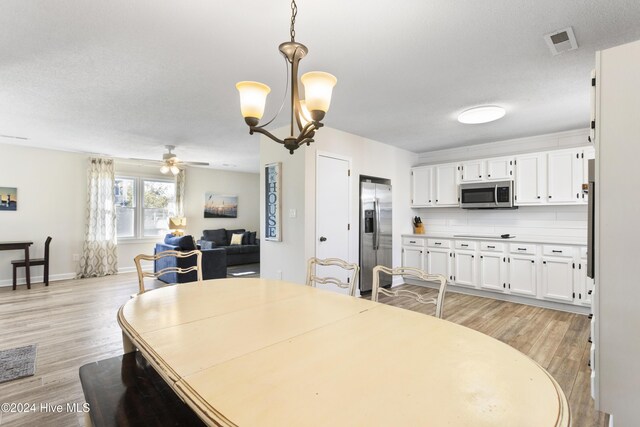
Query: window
[[143, 206]]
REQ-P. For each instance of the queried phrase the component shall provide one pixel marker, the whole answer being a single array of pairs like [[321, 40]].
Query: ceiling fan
[[171, 163]]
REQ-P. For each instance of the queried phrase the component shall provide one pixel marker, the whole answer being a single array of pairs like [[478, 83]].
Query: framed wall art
[[273, 203], [220, 206], [8, 199]]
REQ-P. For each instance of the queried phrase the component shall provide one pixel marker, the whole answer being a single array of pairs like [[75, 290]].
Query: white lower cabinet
[[583, 284], [413, 257], [550, 272], [492, 274], [439, 262], [522, 275], [557, 278], [464, 272]]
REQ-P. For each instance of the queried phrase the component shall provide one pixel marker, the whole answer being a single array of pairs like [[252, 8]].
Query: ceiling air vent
[[14, 137], [561, 41]]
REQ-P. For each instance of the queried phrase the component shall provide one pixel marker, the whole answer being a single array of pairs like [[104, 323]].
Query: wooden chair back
[[177, 254], [313, 279], [46, 250], [414, 273]]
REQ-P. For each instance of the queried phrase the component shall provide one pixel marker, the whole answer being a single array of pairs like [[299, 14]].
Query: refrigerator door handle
[[376, 234]]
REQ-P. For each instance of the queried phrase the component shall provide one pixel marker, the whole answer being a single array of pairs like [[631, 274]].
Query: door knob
[[323, 239]]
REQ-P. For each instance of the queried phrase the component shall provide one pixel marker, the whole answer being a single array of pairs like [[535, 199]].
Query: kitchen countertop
[[550, 240]]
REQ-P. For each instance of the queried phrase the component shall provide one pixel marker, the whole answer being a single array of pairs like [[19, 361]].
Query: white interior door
[[332, 215]]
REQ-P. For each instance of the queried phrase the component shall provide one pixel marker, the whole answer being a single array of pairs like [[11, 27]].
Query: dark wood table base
[[126, 391]]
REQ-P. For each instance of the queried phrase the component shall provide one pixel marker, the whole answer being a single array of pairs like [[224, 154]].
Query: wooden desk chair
[[413, 273], [312, 279], [35, 261], [177, 254]]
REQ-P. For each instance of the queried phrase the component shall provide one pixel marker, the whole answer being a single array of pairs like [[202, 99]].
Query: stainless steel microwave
[[487, 195]]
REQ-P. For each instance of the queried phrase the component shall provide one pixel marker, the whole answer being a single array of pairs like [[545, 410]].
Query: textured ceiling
[[124, 78]]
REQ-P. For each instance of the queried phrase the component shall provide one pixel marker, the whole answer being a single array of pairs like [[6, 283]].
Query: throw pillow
[[236, 239], [218, 236], [252, 238], [245, 237]]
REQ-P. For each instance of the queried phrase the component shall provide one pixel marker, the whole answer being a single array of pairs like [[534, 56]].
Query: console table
[[247, 352], [12, 246]]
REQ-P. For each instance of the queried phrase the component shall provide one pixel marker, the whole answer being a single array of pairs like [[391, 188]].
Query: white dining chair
[[313, 279], [177, 254], [413, 273]]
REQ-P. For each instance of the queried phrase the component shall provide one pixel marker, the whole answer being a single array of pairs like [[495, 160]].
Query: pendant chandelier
[[306, 114]]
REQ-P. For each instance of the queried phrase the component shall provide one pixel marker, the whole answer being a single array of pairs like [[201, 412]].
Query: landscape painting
[[8, 199], [220, 206]]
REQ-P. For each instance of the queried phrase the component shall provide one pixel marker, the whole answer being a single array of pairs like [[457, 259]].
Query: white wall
[[541, 221], [244, 185], [368, 157], [51, 202]]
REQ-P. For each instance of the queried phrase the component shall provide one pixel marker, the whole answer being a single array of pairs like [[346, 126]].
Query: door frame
[[329, 154]]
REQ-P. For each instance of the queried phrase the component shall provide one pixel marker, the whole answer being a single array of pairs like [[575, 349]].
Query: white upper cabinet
[[553, 177], [472, 171], [422, 186], [446, 184], [562, 167], [530, 177], [496, 169], [499, 169]]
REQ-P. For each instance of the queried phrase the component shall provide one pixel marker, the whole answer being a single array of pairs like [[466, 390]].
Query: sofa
[[214, 261], [247, 252]]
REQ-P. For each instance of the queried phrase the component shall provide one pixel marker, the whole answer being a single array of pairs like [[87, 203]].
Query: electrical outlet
[[293, 213], [279, 274], [76, 257]]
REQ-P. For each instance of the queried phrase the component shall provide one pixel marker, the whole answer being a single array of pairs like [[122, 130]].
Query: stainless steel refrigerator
[[376, 233]]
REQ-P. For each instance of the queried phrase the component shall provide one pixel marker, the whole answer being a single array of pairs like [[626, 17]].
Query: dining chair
[[413, 273], [155, 274], [35, 261], [313, 279]]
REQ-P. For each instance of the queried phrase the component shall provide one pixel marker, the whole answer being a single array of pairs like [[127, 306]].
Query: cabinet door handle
[[538, 197], [438, 243], [491, 247], [412, 241], [590, 292], [533, 262], [556, 252], [464, 246], [522, 249]]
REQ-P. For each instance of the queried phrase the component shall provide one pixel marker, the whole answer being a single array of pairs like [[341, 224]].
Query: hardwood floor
[[74, 322]]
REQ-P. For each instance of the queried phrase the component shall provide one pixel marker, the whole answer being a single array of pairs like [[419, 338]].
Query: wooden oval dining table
[[258, 352]]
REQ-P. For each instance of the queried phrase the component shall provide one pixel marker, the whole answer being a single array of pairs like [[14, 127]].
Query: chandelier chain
[[294, 12]]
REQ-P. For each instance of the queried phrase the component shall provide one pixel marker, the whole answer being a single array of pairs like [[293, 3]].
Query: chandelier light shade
[[253, 96], [318, 87], [306, 114]]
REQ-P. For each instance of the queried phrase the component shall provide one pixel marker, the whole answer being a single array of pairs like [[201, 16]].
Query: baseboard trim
[[38, 279], [509, 298]]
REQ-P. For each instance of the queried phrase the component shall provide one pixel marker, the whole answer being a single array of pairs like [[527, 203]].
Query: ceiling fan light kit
[[481, 114], [306, 114]]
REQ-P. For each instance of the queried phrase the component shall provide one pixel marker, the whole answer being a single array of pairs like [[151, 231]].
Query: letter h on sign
[[273, 179]]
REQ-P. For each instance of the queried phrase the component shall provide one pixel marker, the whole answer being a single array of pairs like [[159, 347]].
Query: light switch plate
[[292, 213]]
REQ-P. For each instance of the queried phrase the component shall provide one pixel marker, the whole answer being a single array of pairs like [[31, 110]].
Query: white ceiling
[[124, 78]]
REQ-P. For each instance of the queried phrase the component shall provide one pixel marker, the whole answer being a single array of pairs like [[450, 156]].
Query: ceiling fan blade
[[158, 162], [195, 163]]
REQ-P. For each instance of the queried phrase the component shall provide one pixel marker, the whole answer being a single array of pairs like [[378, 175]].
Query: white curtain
[[180, 180], [99, 255]]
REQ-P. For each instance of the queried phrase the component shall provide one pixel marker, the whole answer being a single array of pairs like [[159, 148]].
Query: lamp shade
[[164, 169], [177, 223], [318, 86], [253, 96]]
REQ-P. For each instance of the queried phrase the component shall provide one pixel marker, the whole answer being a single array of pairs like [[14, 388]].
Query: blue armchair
[[214, 261]]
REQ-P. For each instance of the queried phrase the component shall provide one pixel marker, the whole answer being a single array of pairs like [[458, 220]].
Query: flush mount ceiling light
[[483, 114], [307, 113]]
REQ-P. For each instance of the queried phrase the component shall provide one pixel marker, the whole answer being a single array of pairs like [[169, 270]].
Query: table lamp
[[177, 224]]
